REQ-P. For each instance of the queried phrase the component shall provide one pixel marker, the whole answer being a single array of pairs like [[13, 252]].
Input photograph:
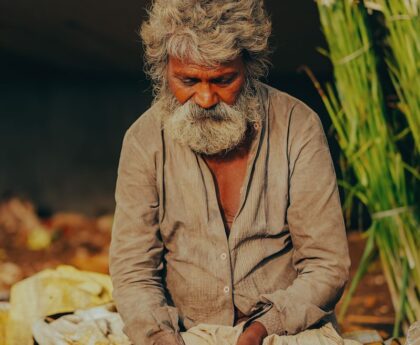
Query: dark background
[[71, 83]]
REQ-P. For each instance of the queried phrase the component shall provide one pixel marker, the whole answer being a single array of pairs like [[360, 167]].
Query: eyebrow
[[187, 75], [226, 75]]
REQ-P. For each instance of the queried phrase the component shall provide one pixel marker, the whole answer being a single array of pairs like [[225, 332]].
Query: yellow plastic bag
[[49, 292], [4, 315]]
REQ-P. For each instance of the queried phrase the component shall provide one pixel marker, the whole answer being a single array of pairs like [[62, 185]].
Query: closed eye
[[189, 81], [225, 80]]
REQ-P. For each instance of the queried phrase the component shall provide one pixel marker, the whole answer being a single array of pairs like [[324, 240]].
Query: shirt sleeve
[[136, 251], [314, 216]]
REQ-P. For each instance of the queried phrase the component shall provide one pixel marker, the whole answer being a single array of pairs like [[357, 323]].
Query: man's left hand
[[254, 334]]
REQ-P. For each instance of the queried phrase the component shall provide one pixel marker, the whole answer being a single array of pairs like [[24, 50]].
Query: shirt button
[[226, 289], [223, 256]]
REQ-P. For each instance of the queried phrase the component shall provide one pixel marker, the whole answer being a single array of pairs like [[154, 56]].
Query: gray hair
[[206, 32]]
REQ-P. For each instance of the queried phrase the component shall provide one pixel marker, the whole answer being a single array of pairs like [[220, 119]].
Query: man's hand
[[254, 334]]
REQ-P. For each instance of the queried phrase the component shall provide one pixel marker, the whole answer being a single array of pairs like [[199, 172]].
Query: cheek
[[181, 93], [230, 94]]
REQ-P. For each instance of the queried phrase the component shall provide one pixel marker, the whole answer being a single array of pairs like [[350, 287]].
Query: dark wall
[[71, 84], [60, 139]]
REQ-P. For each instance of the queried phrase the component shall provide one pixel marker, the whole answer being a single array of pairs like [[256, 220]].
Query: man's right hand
[[254, 334]]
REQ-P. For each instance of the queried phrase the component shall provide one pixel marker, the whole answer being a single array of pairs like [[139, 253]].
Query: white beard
[[214, 130]]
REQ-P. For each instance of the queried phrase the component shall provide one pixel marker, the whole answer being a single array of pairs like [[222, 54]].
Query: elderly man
[[227, 205]]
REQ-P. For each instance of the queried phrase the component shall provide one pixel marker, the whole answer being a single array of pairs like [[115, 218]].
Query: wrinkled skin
[[206, 86]]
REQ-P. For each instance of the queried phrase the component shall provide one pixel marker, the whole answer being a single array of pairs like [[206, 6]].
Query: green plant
[[356, 106], [402, 21]]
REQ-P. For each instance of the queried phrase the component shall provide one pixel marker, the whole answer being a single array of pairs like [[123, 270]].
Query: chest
[[229, 176]]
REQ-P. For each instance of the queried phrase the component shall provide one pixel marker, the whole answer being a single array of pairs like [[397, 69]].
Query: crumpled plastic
[[95, 326], [50, 292]]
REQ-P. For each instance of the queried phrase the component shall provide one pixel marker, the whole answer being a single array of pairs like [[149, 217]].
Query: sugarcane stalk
[[358, 112]]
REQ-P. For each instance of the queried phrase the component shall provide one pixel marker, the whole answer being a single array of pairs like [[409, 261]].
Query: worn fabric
[[204, 334], [286, 260]]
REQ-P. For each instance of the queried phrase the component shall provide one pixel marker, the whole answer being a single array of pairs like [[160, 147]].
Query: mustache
[[219, 112]]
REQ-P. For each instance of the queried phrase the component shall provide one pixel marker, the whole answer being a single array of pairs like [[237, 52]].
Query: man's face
[[208, 109], [205, 86]]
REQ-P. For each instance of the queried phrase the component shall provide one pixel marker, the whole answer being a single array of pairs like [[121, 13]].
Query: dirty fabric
[[286, 259], [224, 335], [98, 325]]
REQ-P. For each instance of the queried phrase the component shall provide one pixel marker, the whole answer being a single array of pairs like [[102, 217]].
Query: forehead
[[186, 67]]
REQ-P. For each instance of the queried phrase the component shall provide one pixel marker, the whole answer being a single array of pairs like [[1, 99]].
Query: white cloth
[[205, 334], [100, 325]]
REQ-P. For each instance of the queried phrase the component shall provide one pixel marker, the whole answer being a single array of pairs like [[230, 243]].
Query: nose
[[205, 97]]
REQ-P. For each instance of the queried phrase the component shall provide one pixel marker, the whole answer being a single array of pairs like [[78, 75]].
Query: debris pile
[[29, 244], [62, 306], [100, 325]]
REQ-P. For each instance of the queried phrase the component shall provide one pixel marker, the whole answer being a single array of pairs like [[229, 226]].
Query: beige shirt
[[286, 259]]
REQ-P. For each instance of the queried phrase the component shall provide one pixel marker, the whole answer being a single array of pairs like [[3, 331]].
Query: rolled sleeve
[[136, 251], [271, 321], [314, 216]]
